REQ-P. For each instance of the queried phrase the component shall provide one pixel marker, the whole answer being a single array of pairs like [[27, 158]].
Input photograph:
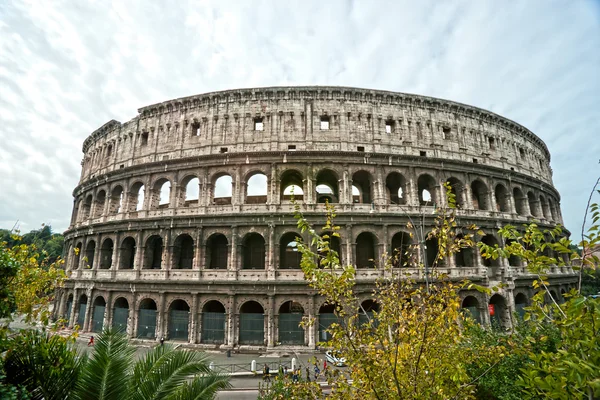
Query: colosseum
[[183, 227]]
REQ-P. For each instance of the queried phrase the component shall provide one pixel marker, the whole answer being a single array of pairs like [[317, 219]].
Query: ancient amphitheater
[[182, 221]]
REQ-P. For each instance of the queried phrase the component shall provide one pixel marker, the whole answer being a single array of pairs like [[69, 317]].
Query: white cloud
[[68, 67]]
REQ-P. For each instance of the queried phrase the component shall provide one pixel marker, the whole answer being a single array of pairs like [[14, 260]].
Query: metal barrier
[[228, 369]]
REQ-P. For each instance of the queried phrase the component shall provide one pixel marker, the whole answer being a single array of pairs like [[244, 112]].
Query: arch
[[115, 205], [127, 256], [396, 188], [521, 302], [366, 312], [428, 189], [431, 251], [213, 322], [457, 188], [327, 317], [183, 252], [147, 313], [401, 249], [179, 318], [534, 203], [77, 255], [289, 256], [498, 310], [334, 245], [520, 202], [326, 186], [545, 209], [86, 207], [257, 188], [120, 314], [361, 180], [464, 257], [290, 317], [90, 251], [69, 308], [513, 260], [502, 199], [552, 208], [161, 194], [99, 308], [471, 306], [99, 204], [223, 189], [137, 196], [292, 185], [490, 240], [252, 323], [217, 250], [153, 252], [253, 251], [82, 309], [106, 253], [365, 250], [479, 195]]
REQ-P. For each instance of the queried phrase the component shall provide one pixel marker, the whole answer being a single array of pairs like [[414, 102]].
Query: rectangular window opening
[[122, 166], [144, 138], [291, 147], [258, 124], [423, 154], [389, 126], [324, 123], [522, 152], [446, 132], [196, 129], [492, 143], [475, 161], [223, 149], [360, 148]]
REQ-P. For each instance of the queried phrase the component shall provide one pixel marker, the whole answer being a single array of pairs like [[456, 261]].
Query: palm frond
[[106, 375], [202, 387]]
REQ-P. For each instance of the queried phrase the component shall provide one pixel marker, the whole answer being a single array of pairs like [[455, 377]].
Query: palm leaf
[[202, 387], [106, 375]]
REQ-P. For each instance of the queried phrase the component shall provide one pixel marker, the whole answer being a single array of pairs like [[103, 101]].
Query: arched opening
[[292, 185], [289, 256], [534, 204], [98, 314], [90, 250], [520, 303], [552, 208], [513, 260], [256, 189], [127, 257], [490, 240], [153, 252], [253, 251], [327, 317], [365, 250], [366, 312], [116, 201], [120, 314], [457, 189], [183, 252], [252, 324], [106, 253], [82, 309], [545, 207], [216, 251], [327, 187], [76, 256], [479, 195], [290, 316], [69, 308], [427, 188], [502, 199], [161, 194], [99, 204], [334, 245], [213, 323], [470, 307], [396, 188], [192, 190], [361, 180], [223, 190], [86, 207], [136, 197], [464, 256], [431, 251], [179, 314], [520, 201], [147, 319], [498, 310], [401, 250]]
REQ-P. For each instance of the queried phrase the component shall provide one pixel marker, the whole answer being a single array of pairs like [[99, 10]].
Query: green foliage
[[48, 244]]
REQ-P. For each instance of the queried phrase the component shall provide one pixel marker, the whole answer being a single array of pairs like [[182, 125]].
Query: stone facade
[[182, 222]]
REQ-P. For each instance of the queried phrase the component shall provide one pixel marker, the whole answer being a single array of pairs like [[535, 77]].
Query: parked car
[[335, 358]]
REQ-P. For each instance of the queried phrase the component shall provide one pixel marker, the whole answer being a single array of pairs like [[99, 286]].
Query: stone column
[[108, 311], [194, 322], [74, 308], [350, 246], [88, 310], [231, 316], [311, 327], [380, 198], [132, 318], [233, 259], [270, 321], [139, 253], [198, 253], [272, 260]]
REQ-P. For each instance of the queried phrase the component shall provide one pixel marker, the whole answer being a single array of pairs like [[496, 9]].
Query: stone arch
[[120, 319], [431, 251], [257, 188], [292, 185], [490, 240], [479, 195], [153, 252], [213, 322], [334, 245], [222, 189], [77, 255], [327, 317], [69, 307], [179, 320], [253, 251], [326, 186], [552, 208], [520, 202], [98, 311], [502, 199], [252, 323], [401, 249], [183, 252], [161, 194], [99, 204], [545, 208], [289, 256], [289, 318], [366, 312], [90, 251], [137, 196], [428, 190], [521, 301], [457, 188], [115, 205], [147, 315], [106, 253], [464, 256], [498, 310], [127, 253], [395, 184], [513, 260], [86, 207], [83, 299], [217, 251], [190, 190], [362, 181], [366, 250], [533, 204], [471, 305]]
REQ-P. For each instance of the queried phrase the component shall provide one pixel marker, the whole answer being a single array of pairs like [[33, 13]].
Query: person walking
[[162, 340], [266, 373], [91, 342], [307, 375], [317, 372]]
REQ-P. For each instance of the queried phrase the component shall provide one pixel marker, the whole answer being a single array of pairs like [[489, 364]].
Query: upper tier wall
[[359, 120]]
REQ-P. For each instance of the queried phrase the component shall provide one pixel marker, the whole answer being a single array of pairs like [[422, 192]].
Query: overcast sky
[[66, 68]]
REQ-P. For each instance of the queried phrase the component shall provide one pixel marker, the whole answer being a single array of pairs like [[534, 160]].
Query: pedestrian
[[162, 340], [285, 371], [91, 342], [294, 376], [324, 365], [307, 375], [317, 372], [266, 373], [280, 370]]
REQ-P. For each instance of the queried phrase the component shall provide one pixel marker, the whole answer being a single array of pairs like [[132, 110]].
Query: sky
[[68, 67]]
